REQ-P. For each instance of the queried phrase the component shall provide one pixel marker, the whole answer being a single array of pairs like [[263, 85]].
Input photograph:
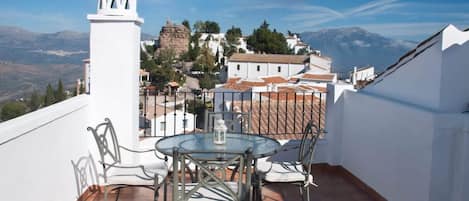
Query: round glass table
[[202, 149], [203, 145]]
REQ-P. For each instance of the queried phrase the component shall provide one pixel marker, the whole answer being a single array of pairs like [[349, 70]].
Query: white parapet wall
[[36, 151], [404, 152]]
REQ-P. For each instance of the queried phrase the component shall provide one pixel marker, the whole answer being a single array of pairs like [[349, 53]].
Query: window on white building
[[238, 67], [162, 126], [279, 69], [258, 68]]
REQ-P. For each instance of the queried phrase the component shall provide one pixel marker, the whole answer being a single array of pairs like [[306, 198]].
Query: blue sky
[[412, 20]]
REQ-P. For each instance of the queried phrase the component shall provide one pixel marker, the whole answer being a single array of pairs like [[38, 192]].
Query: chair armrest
[[142, 151], [139, 168], [136, 151]]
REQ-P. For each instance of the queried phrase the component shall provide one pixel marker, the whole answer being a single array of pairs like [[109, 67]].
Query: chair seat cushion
[[280, 171], [283, 166], [137, 176], [211, 193]]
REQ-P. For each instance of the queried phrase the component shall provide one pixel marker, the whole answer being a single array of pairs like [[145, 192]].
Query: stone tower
[[114, 63], [175, 37]]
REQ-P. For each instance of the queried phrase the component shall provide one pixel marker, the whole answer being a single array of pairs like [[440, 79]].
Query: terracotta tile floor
[[332, 187]]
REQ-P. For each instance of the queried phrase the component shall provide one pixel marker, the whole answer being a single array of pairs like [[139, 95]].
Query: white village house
[[294, 43], [174, 122], [252, 66]]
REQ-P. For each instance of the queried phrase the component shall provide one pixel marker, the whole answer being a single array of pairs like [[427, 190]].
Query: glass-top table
[[260, 146]]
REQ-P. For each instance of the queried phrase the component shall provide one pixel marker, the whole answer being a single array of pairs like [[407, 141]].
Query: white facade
[[251, 70], [244, 45], [36, 150], [432, 75], [294, 43], [173, 124], [86, 75], [319, 64], [148, 42], [115, 61], [214, 43], [405, 134], [362, 74]]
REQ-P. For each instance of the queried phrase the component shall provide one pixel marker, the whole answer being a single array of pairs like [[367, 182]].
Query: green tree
[[148, 65], [60, 93], [187, 25], [212, 27], [302, 51], [34, 101], [232, 40], [233, 35], [194, 48], [264, 40], [206, 60], [206, 27], [49, 98], [208, 81], [166, 57], [12, 110]]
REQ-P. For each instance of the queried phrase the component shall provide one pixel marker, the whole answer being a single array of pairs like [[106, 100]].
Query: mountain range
[[354, 46], [30, 60]]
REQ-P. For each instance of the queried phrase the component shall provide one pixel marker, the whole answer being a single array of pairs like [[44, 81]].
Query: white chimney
[[115, 62]]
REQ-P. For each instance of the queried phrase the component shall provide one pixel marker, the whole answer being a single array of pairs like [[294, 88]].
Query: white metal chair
[[86, 176], [292, 164], [116, 174]]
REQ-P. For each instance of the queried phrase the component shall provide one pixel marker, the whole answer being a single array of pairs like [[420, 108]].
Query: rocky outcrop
[[175, 37]]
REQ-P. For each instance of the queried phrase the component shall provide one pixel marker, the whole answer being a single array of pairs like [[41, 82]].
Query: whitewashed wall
[[36, 163], [403, 151], [249, 70], [321, 62], [454, 77]]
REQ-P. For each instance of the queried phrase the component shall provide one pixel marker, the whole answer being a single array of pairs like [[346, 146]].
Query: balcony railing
[[277, 114]]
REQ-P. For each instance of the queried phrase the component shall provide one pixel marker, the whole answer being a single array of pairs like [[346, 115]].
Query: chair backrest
[[212, 173], [308, 142], [108, 146], [86, 175], [236, 122]]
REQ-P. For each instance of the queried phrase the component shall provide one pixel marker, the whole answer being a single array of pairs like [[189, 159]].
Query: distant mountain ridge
[[354, 46], [19, 45], [30, 60]]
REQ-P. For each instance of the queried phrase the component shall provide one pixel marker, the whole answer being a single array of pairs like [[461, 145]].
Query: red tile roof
[[319, 77], [275, 79], [243, 85], [283, 119]]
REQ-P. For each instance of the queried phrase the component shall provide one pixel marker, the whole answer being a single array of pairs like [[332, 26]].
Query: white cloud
[[371, 6], [318, 15], [361, 43]]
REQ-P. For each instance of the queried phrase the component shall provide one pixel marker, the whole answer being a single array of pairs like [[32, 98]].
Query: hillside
[[349, 47]]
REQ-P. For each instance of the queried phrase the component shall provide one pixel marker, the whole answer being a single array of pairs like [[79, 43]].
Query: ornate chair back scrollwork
[[108, 145], [118, 174], [86, 175]]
